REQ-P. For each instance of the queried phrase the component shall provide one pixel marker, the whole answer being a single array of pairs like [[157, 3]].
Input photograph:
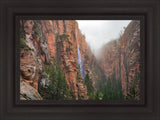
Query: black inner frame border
[[143, 65]]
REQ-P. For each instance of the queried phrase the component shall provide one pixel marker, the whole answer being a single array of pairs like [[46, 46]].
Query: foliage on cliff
[[121, 57], [89, 84], [134, 91], [57, 88], [111, 88]]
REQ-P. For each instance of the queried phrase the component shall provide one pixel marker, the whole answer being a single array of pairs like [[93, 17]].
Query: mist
[[100, 32]]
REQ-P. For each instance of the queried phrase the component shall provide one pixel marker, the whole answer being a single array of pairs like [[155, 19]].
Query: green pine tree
[[57, 88], [88, 83]]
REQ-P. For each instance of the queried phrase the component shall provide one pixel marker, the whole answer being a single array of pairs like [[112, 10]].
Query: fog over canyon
[[99, 32], [79, 59]]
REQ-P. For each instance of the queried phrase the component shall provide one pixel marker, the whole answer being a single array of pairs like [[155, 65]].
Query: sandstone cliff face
[[27, 92], [90, 63], [122, 56], [30, 62], [43, 40]]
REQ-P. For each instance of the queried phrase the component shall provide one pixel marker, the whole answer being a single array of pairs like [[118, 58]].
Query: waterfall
[[79, 57]]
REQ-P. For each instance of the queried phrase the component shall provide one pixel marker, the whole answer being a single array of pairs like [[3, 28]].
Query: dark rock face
[[122, 56]]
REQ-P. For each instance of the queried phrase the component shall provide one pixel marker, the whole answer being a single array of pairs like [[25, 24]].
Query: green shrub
[[22, 35], [99, 96], [68, 49], [24, 46], [91, 96], [37, 29], [88, 83], [69, 42], [57, 88], [63, 36], [37, 32]]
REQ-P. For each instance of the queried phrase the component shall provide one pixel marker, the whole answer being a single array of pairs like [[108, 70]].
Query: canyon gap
[[60, 42]]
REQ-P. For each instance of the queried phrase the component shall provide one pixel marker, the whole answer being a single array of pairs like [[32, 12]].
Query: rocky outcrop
[[30, 62], [82, 91], [122, 56], [28, 93], [45, 40]]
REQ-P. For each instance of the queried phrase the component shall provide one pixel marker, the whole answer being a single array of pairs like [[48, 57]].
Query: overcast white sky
[[99, 32]]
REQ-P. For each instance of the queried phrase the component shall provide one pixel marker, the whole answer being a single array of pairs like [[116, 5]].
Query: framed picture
[[83, 60], [68, 60]]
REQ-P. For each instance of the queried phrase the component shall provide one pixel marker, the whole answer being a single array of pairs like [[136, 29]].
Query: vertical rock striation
[[122, 56], [50, 39]]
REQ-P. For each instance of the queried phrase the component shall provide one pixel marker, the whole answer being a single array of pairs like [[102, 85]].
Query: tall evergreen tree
[[57, 88], [111, 89], [88, 83], [62, 89]]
